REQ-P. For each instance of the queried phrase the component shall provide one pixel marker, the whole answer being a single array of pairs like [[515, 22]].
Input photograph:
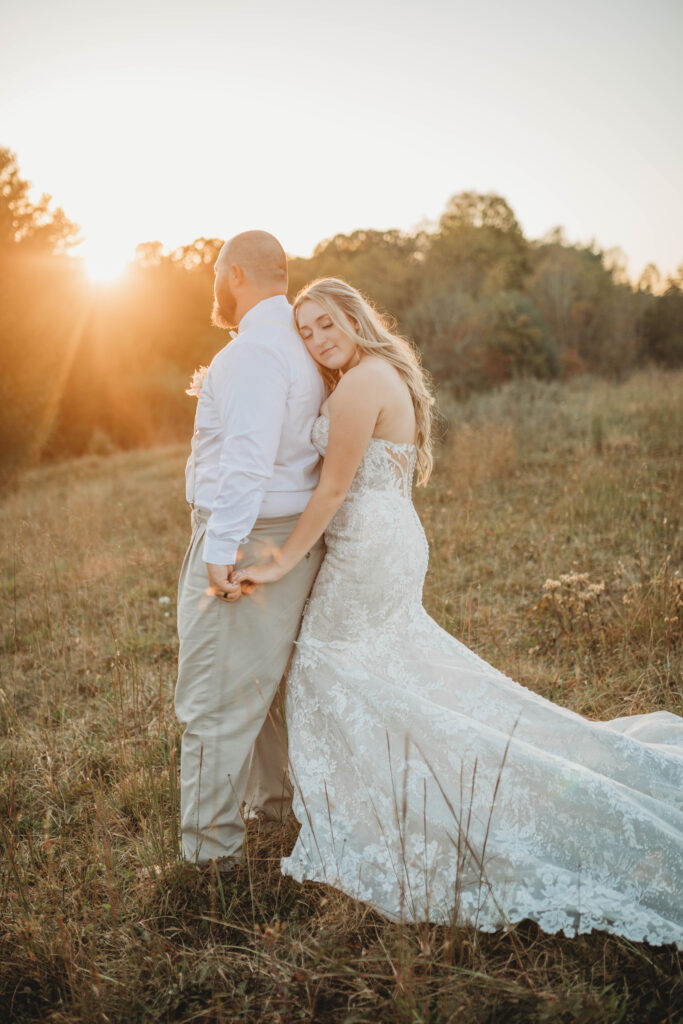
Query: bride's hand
[[257, 574]]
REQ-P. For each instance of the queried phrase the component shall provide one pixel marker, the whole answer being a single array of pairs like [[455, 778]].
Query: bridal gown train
[[433, 787]]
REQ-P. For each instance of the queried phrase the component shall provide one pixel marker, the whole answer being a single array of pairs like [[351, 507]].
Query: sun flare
[[103, 266]]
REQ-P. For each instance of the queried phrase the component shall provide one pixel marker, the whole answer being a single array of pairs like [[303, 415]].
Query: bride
[[427, 783]]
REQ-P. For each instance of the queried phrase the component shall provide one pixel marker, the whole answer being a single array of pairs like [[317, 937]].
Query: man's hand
[[220, 585]]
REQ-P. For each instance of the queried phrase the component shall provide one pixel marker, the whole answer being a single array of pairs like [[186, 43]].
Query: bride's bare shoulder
[[370, 386], [362, 391], [371, 371]]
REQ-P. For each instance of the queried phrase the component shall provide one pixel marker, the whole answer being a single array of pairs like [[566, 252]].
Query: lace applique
[[386, 465]]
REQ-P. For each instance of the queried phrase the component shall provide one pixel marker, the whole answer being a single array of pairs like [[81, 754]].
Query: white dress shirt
[[253, 453]]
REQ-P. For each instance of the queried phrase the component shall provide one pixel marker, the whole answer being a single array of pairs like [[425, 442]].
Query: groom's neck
[[247, 302]]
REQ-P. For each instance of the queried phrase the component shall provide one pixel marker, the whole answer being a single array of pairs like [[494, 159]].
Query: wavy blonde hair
[[346, 306]]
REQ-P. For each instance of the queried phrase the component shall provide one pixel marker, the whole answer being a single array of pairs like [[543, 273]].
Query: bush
[[470, 345]]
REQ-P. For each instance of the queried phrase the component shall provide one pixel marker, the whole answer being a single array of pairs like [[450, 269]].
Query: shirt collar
[[275, 309]]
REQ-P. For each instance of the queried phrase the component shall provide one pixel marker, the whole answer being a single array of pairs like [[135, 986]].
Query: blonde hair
[[373, 335]]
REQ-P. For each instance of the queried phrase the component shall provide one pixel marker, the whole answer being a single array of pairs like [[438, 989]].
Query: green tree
[[479, 247], [650, 280], [449, 330], [40, 312], [660, 329], [149, 254], [198, 255], [473, 344], [589, 309], [27, 225], [382, 264], [518, 341]]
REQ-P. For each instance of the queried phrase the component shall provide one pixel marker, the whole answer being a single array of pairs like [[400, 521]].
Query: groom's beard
[[224, 312], [222, 317]]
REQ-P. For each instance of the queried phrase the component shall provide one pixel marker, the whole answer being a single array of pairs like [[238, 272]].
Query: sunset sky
[[148, 120]]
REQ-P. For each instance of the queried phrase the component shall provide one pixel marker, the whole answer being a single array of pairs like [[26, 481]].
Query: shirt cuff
[[218, 552]]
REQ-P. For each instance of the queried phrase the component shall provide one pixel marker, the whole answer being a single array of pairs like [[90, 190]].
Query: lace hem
[[477, 910]]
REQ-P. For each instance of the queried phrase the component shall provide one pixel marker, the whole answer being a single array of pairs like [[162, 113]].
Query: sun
[[103, 265]]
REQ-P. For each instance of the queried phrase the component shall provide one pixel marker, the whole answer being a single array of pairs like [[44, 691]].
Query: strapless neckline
[[400, 445]]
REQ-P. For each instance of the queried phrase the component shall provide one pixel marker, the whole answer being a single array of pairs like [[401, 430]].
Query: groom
[[251, 472]]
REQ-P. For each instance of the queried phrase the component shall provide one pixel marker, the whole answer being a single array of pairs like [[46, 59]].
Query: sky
[[149, 120]]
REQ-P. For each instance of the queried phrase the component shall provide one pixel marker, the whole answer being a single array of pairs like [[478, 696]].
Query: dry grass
[[100, 920]]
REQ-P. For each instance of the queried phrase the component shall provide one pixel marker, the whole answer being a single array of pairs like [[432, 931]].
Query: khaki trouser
[[231, 662]]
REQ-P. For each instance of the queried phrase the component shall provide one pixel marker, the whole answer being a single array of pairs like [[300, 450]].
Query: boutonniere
[[196, 382]]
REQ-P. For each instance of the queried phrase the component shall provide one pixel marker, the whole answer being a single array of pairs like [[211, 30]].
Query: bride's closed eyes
[[329, 344], [305, 332]]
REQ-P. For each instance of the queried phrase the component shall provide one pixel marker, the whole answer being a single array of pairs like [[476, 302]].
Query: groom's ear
[[237, 275]]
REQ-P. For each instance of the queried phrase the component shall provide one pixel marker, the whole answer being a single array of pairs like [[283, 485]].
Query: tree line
[[87, 369]]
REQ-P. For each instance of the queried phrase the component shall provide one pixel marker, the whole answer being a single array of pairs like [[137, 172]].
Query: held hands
[[254, 575], [228, 585], [220, 585]]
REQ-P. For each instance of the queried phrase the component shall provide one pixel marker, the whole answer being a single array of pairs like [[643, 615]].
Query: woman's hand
[[257, 574]]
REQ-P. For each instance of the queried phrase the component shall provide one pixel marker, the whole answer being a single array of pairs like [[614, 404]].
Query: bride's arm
[[353, 408]]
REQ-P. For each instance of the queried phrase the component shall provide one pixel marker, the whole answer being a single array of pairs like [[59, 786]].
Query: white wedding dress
[[433, 787]]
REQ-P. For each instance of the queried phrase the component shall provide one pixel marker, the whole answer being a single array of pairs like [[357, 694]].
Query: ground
[[554, 525]]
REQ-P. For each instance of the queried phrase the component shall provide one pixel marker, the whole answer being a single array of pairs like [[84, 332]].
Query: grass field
[[100, 921]]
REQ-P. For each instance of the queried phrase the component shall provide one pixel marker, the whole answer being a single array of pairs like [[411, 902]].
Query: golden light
[[103, 265]]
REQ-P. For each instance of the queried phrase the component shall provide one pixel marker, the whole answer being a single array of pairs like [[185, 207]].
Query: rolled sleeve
[[251, 392]]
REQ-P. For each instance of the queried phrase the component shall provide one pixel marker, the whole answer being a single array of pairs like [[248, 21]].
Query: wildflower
[[631, 593], [164, 600], [197, 381], [574, 577]]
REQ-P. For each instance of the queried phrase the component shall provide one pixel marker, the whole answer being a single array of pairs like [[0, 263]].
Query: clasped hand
[[254, 575], [220, 584], [228, 584]]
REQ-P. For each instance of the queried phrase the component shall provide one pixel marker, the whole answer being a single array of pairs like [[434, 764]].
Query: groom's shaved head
[[260, 256]]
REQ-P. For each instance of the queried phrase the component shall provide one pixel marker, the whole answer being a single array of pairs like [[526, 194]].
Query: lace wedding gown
[[432, 786]]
